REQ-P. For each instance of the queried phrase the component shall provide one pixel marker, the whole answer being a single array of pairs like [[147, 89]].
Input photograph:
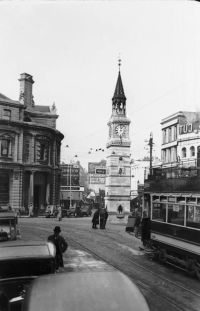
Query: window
[[184, 153], [42, 150], [193, 216], [169, 134], [6, 114], [159, 212], [176, 214], [5, 147], [175, 132], [192, 151], [164, 136]]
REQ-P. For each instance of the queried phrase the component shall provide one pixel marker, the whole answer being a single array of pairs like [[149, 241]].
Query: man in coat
[[60, 245], [95, 219]]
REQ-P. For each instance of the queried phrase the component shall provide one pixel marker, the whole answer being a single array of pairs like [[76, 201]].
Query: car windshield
[[7, 222]]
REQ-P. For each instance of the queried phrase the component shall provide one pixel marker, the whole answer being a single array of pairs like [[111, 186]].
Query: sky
[[71, 48]]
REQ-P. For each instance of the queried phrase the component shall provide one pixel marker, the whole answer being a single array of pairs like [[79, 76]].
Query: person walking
[[106, 217], [137, 224], [145, 229], [59, 215], [60, 245], [103, 217], [95, 219]]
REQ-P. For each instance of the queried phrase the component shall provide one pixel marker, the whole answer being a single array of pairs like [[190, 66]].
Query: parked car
[[85, 210], [9, 229], [71, 211], [51, 211], [20, 263]]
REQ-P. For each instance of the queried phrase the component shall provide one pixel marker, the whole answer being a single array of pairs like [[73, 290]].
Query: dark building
[[29, 152]]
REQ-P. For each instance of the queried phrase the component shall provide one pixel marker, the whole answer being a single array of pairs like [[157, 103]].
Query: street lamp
[[70, 184]]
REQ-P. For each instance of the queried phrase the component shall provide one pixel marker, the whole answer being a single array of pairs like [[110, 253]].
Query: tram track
[[158, 289], [144, 287]]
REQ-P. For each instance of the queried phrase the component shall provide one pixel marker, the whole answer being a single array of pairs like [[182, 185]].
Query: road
[[163, 286]]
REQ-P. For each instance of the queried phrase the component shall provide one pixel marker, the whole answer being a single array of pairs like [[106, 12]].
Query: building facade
[[29, 152], [118, 175], [97, 176], [180, 138], [70, 190]]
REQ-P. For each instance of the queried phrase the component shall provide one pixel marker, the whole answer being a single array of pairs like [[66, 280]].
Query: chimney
[[26, 97]]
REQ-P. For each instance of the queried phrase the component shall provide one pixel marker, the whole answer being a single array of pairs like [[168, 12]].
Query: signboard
[[97, 180], [100, 171], [175, 208], [93, 166]]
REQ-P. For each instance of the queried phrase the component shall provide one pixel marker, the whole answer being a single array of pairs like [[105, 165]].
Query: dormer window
[[7, 114]]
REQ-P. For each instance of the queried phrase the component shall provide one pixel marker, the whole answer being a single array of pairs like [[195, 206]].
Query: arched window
[[184, 153], [192, 151]]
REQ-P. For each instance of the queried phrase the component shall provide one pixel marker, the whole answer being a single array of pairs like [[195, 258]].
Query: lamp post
[[70, 184]]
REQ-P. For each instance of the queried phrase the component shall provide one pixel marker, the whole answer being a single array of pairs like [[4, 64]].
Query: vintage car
[[91, 291], [71, 211], [51, 211], [21, 263], [9, 226], [85, 210]]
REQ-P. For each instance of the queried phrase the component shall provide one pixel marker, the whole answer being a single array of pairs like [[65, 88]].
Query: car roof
[[21, 250], [85, 291]]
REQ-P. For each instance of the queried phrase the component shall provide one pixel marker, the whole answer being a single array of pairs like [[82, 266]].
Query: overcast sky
[[71, 49]]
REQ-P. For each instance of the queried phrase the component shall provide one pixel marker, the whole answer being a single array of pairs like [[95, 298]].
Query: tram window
[[193, 216], [159, 212], [176, 214]]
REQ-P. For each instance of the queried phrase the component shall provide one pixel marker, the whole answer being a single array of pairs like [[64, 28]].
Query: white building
[[180, 138]]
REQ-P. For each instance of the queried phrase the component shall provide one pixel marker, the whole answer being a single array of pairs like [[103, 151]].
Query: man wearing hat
[[60, 244]]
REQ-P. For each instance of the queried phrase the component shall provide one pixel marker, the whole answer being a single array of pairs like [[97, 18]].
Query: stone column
[[16, 148], [31, 193]]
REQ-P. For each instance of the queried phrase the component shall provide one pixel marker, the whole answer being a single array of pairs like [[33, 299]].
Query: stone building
[[29, 152]]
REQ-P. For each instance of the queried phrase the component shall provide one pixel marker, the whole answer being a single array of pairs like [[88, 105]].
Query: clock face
[[120, 130]]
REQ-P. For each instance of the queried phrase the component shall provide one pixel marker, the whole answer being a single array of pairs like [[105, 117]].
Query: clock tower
[[118, 176]]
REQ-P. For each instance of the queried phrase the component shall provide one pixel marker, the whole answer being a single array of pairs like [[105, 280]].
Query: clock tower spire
[[117, 196]]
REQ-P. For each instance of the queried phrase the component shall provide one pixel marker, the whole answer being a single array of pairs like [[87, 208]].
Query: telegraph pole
[[151, 151]]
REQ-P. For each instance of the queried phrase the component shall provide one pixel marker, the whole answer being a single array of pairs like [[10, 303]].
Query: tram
[[172, 199]]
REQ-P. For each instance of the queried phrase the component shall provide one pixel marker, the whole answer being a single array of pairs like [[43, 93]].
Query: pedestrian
[[120, 209], [60, 245], [103, 218], [137, 224], [59, 213], [145, 229], [95, 219], [106, 217]]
